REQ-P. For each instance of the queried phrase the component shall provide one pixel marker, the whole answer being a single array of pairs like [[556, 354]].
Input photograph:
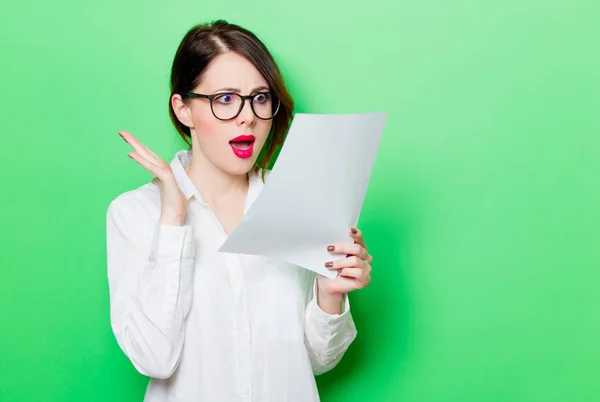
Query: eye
[[225, 99], [261, 98]]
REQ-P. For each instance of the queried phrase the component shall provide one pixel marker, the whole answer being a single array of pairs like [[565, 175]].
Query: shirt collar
[[184, 157]]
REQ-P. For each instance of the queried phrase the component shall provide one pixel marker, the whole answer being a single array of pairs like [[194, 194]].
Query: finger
[[151, 153], [348, 249], [355, 273], [140, 148], [134, 143], [152, 168], [348, 262], [357, 235]]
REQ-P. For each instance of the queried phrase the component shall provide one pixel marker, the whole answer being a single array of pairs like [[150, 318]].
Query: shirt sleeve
[[327, 336], [150, 279]]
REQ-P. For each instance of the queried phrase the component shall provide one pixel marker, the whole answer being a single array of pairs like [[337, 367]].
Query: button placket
[[244, 333]]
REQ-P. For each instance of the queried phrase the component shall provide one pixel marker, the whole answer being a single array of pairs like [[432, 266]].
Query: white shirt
[[209, 326]]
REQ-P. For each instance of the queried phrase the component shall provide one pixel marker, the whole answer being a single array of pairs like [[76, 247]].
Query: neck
[[212, 183]]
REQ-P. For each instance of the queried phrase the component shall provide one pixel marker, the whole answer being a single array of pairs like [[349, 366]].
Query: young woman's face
[[231, 145]]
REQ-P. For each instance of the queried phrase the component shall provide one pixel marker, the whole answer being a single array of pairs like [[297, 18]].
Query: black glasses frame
[[212, 97]]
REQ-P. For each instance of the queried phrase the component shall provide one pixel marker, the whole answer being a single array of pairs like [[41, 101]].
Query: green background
[[482, 213]]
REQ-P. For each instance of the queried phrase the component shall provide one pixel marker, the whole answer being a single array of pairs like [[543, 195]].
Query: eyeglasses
[[228, 105]]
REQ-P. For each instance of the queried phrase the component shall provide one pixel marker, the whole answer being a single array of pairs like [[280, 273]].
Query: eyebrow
[[237, 90]]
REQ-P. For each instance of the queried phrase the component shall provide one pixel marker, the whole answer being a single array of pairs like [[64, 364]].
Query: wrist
[[172, 218], [323, 288], [329, 302]]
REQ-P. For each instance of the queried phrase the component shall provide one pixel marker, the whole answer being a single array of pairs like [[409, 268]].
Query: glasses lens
[[226, 106], [265, 105]]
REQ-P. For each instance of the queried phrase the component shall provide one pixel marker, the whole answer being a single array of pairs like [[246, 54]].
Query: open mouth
[[242, 146]]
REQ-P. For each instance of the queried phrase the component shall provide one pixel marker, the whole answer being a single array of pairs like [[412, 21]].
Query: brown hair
[[201, 45]]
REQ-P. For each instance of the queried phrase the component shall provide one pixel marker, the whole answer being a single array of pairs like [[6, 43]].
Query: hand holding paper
[[315, 192]]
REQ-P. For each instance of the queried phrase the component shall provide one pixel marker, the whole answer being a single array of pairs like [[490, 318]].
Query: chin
[[240, 167]]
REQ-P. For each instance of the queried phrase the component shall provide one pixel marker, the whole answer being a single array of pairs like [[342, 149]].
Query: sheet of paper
[[315, 192]]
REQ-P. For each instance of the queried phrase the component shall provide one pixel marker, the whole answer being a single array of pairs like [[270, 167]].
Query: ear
[[182, 111]]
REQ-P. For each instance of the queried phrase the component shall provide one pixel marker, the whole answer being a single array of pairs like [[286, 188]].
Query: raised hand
[[173, 202]]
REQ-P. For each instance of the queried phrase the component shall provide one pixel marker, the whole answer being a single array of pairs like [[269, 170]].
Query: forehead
[[231, 70]]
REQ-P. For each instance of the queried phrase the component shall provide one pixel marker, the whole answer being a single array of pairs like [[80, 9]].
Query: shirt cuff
[[171, 243]]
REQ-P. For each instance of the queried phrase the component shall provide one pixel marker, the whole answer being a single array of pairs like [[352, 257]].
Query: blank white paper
[[315, 192]]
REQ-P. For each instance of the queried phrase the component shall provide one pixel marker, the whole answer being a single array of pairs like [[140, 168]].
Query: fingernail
[[330, 248], [354, 231], [329, 264]]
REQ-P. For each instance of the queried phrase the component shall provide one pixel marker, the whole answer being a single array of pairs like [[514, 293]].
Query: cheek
[[209, 129], [205, 124], [263, 128]]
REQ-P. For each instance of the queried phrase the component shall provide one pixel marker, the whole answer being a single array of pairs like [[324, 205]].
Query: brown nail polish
[[329, 264], [330, 248], [354, 231]]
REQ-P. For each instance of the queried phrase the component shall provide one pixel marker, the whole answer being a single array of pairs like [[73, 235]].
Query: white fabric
[[208, 326]]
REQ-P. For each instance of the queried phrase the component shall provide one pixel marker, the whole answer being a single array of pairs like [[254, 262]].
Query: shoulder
[[142, 203]]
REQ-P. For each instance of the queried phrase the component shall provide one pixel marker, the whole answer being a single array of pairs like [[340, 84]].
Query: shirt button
[[246, 391]]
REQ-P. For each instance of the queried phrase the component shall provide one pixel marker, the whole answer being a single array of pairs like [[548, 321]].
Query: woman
[[210, 326]]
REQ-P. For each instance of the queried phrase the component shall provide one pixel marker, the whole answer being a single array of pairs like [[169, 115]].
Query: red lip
[[246, 152], [243, 138]]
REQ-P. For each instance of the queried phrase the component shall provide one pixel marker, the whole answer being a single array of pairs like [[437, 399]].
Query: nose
[[246, 115]]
